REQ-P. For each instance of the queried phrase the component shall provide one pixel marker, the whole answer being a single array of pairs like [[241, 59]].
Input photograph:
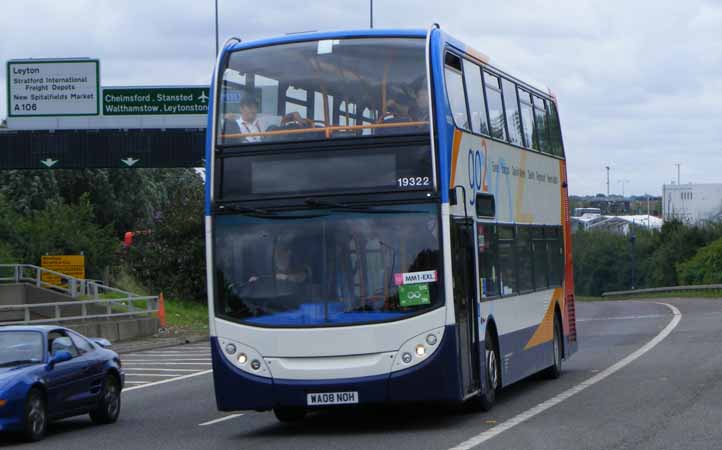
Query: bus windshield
[[326, 89], [326, 267]]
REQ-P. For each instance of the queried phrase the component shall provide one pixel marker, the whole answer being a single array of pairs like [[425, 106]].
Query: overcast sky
[[639, 82]]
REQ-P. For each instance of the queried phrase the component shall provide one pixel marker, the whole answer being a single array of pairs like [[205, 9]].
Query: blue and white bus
[[386, 221]]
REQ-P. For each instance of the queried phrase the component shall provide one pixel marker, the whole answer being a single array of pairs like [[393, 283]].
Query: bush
[[172, 258], [705, 267]]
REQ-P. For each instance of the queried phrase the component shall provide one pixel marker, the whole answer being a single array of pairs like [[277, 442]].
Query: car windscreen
[[20, 347], [325, 89], [328, 268]]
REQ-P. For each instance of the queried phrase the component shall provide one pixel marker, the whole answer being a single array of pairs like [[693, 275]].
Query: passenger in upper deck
[[419, 111], [250, 123]]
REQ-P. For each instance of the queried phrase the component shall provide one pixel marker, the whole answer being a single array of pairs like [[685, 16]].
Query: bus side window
[[497, 127], [527, 119], [523, 254], [488, 268], [556, 255], [505, 246], [542, 124], [511, 104], [555, 132], [475, 95], [541, 263], [455, 90]]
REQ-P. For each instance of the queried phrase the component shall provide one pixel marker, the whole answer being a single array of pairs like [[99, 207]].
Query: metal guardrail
[[89, 304], [700, 287], [123, 307]]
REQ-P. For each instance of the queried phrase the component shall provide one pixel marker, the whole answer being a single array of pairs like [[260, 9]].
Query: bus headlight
[[243, 357], [423, 346]]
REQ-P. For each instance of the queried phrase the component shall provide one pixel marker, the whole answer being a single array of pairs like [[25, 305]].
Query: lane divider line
[[127, 370], [156, 383], [167, 360], [222, 419], [159, 375], [538, 409], [648, 316], [165, 363]]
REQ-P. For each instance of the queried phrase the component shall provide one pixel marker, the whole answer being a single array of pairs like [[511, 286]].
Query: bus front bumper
[[434, 380]]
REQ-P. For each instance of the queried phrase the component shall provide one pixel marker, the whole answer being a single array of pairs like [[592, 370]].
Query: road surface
[[645, 377]]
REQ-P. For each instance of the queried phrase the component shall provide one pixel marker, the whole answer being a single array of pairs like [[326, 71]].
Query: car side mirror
[[102, 342], [58, 357]]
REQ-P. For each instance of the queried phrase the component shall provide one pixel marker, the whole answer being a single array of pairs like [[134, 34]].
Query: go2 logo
[[476, 166]]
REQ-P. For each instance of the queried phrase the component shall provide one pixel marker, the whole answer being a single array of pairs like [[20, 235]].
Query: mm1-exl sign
[[53, 87]]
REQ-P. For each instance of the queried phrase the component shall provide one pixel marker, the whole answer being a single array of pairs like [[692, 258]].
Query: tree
[[172, 258], [705, 267]]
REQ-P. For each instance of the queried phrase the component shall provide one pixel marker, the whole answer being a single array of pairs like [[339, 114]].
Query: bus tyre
[[108, 406], [491, 372], [555, 370], [289, 414], [35, 417]]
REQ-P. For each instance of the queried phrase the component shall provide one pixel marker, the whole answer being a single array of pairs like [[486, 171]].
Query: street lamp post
[[216, 11], [371, 13]]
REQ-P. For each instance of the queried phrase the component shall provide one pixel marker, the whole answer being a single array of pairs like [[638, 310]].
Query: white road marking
[[156, 383], [167, 363], [155, 369], [169, 360], [137, 382], [211, 422], [166, 375], [648, 316], [538, 409]]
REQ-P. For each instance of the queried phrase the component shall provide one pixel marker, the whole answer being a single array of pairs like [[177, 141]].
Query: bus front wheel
[[289, 414], [491, 372]]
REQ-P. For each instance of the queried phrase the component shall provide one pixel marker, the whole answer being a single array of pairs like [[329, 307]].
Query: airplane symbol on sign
[[203, 97]]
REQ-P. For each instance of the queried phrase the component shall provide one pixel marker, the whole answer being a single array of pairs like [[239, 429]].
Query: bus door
[[465, 304]]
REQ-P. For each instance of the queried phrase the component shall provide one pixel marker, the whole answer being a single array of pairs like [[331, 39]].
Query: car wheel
[[491, 372], [108, 407], [289, 414], [555, 370], [36, 416]]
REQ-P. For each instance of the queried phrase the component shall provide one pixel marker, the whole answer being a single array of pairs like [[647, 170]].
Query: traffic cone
[[161, 311]]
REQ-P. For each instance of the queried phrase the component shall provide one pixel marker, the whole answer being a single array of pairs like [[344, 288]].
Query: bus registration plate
[[332, 398]]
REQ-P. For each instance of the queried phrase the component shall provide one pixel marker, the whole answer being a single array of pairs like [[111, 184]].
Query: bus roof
[[398, 33], [321, 35]]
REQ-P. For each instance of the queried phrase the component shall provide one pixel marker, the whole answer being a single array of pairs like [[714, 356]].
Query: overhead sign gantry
[[59, 116]]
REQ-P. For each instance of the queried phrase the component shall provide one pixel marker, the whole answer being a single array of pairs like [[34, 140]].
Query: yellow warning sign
[[71, 265]]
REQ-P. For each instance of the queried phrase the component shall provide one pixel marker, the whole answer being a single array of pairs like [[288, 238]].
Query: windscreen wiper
[[316, 203], [263, 213], [244, 209]]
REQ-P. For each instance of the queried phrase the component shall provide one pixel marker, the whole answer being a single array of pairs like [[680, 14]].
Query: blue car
[[51, 372]]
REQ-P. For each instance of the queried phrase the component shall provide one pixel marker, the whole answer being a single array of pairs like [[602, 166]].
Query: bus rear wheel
[[555, 370], [491, 372], [289, 414]]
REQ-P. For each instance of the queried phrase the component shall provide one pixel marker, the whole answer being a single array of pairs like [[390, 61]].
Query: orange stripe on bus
[[455, 157]]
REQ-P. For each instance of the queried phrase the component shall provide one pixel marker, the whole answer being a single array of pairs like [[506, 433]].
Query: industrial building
[[694, 204]]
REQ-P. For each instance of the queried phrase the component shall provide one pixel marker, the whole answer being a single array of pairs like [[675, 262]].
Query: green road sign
[[155, 101]]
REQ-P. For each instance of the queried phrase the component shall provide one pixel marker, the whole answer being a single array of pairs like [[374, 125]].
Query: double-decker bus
[[386, 221]]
